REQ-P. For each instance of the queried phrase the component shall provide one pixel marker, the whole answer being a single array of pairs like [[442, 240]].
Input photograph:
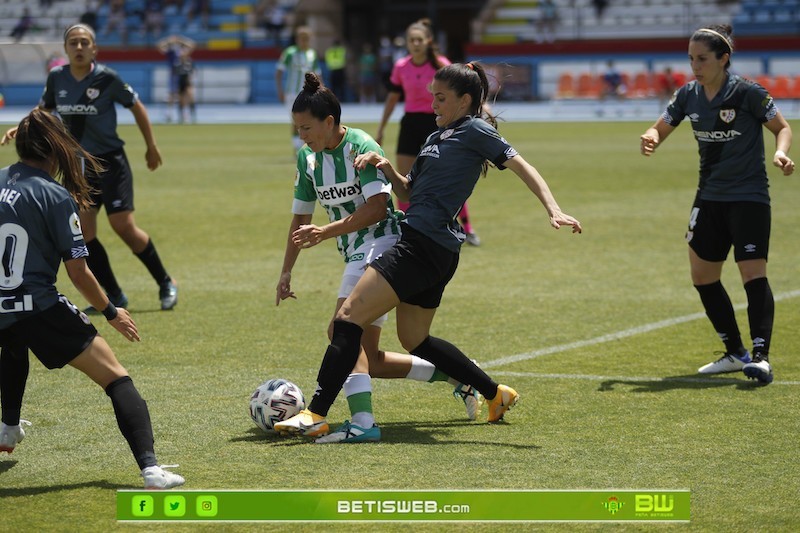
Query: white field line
[[632, 379], [646, 328]]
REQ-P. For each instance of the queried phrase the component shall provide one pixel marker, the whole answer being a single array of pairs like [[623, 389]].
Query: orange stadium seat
[[643, 85], [566, 86], [589, 85], [765, 82], [780, 87], [794, 91]]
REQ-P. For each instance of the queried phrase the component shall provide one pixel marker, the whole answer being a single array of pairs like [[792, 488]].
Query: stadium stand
[[514, 21], [768, 17], [230, 23]]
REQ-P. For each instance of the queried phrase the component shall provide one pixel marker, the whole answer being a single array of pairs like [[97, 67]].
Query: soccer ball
[[275, 400]]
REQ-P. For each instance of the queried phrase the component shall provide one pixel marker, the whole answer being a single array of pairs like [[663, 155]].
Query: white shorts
[[355, 267]]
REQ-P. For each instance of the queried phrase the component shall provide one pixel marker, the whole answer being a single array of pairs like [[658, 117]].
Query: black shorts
[[414, 130], [184, 82], [114, 187], [56, 335], [716, 226], [417, 268]]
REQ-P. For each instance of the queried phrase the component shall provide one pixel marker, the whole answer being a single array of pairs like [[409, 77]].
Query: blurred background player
[[411, 77], [290, 73], [175, 48], [187, 111]]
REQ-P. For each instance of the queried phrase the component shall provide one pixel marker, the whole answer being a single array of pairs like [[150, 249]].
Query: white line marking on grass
[[615, 336], [634, 379]]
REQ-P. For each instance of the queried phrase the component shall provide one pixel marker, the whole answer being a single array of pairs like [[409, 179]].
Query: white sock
[[421, 370]]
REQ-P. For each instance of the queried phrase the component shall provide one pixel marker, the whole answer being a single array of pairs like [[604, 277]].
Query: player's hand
[[153, 157], [369, 158], [559, 219], [308, 235], [284, 290], [8, 136], [782, 161], [125, 325], [649, 144], [379, 137]]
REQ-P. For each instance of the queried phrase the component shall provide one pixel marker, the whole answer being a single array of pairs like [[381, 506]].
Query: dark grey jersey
[[445, 173], [729, 133], [87, 106], [39, 227]]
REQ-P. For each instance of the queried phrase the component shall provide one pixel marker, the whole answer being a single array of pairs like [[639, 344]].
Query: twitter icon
[[174, 506]]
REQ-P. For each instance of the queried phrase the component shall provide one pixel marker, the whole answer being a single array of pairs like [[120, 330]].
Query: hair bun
[[312, 83]]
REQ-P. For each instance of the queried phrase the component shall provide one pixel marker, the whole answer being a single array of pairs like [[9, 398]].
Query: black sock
[[720, 311], [761, 313], [101, 267], [149, 256], [455, 364], [133, 420], [339, 360], [14, 366]]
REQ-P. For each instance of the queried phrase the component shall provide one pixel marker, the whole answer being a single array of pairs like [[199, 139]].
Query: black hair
[[317, 100], [718, 39], [469, 78], [42, 137]]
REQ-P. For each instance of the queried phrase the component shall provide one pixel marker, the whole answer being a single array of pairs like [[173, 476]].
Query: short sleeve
[[676, 109], [489, 144], [760, 103], [65, 229]]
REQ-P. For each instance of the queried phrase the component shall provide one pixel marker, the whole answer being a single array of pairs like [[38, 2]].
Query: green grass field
[[606, 327]]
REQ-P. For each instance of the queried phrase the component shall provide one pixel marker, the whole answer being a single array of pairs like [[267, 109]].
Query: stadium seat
[[566, 85], [780, 87], [765, 82], [794, 91], [643, 85], [589, 85]]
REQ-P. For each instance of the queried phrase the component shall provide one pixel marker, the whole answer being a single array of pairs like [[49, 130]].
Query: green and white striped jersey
[[295, 63], [328, 177]]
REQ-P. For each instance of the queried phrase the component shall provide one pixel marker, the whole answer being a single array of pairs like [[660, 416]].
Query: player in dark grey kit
[[411, 275], [732, 206], [84, 93], [40, 227]]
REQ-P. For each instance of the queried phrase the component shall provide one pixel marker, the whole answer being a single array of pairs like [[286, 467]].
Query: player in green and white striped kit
[[294, 62], [365, 224]]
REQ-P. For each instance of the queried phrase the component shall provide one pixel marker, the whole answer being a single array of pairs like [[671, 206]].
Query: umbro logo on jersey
[[694, 117], [62, 93]]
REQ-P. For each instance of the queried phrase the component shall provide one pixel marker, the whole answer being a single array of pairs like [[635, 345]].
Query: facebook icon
[[142, 505]]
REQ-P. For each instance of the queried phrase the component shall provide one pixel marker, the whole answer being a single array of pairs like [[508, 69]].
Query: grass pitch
[[601, 333]]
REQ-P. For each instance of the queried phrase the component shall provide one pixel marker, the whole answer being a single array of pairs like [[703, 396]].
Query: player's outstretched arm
[[538, 186]]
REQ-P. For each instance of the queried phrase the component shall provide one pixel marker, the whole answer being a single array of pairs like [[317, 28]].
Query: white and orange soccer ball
[[275, 400]]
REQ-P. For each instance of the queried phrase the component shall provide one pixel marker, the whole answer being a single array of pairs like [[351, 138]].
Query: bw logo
[[659, 503]]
